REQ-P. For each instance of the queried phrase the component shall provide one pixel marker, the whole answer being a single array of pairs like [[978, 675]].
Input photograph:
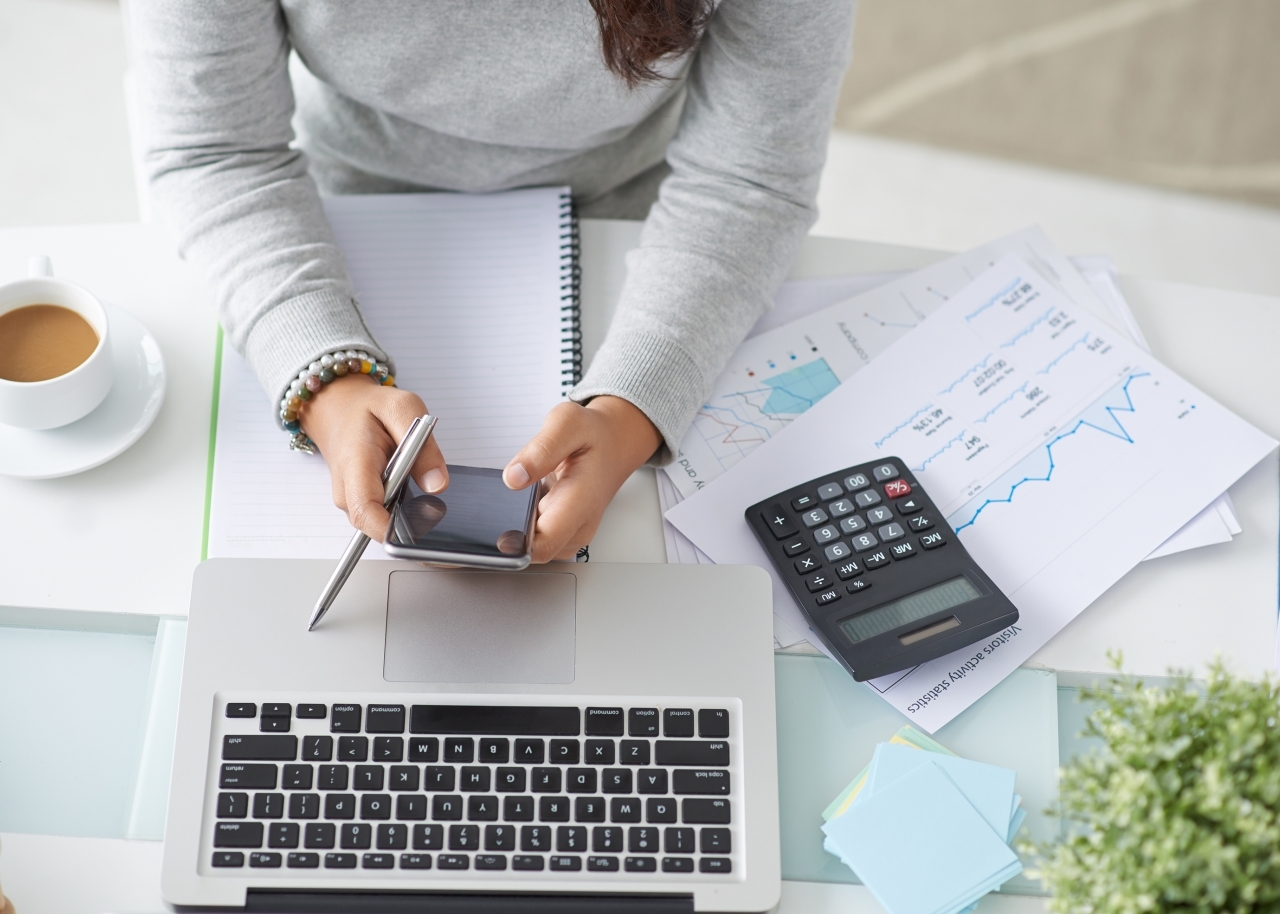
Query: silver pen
[[393, 479]]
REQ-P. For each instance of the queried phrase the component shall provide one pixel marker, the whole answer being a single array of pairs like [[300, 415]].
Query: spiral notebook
[[475, 296]]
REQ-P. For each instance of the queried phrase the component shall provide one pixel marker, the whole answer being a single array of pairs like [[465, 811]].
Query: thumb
[[561, 435]]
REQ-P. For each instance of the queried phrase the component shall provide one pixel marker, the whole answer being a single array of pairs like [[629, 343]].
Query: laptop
[[574, 737]]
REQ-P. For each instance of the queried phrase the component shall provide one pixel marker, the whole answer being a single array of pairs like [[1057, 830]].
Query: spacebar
[[497, 720]]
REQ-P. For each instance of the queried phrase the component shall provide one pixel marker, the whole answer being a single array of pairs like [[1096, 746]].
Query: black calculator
[[874, 567]]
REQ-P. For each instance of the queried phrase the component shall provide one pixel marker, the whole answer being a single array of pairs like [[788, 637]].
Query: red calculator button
[[896, 488]]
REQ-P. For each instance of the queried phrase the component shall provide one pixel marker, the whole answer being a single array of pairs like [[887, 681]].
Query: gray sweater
[[484, 95]]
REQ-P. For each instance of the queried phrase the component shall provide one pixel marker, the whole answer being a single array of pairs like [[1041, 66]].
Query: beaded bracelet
[[319, 373]]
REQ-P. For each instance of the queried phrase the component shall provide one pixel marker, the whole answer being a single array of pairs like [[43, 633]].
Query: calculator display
[[910, 608]]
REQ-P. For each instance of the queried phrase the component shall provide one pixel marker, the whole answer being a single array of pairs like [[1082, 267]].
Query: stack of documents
[[913, 791]]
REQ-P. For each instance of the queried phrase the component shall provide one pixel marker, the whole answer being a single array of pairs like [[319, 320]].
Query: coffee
[[40, 342]]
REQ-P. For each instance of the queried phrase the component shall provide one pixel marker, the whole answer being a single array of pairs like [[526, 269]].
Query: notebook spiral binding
[[570, 302]]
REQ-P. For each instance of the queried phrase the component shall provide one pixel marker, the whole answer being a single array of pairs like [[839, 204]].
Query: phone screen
[[476, 516]]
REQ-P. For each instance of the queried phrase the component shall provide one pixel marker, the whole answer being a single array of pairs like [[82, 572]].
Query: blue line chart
[[903, 424], [1009, 399], [995, 298], [952, 385], [1031, 326], [939, 452], [876, 320], [1062, 355], [1118, 431]]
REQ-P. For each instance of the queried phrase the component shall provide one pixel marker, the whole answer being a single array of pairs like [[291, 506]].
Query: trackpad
[[480, 626]]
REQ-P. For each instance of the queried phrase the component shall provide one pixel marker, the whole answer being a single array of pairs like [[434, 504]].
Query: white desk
[[125, 537]]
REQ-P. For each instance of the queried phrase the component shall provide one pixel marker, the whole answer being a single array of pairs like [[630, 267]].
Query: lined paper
[[465, 293]]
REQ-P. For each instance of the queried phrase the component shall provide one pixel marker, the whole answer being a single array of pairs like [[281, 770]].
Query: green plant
[[1180, 811]]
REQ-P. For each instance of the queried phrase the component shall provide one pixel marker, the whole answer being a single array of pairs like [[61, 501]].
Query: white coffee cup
[[71, 396]]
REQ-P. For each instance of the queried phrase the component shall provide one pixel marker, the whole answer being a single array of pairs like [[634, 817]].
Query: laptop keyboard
[[351, 788]]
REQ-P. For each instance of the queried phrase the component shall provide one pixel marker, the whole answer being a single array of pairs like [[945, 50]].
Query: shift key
[[260, 747], [713, 753]]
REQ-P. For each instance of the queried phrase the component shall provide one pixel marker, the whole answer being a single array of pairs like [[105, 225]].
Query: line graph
[[903, 424], [884, 323], [1040, 465], [977, 367], [993, 299], [940, 451], [1030, 327], [1009, 399], [1062, 355]]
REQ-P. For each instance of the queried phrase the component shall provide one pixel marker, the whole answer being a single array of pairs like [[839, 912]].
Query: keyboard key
[[446, 807], [867, 498], [642, 840], [580, 780], [701, 781], [333, 777], [884, 471], [495, 749], [228, 858], [588, 809], [312, 712], [877, 559], [715, 840], [517, 809], [803, 502], [564, 752], [241, 709], [849, 569], [345, 719], [879, 515], [428, 837], [778, 521], [384, 719], [233, 805], [864, 541], [624, 809], [553, 809], [464, 837], [807, 564], [339, 861], [713, 722], [495, 720], [855, 482], [841, 508], [355, 836], [910, 506], [424, 749], [320, 835], [237, 834], [677, 722], [890, 532], [827, 596], [919, 522], [530, 751], [388, 748], [510, 780], [530, 862], [715, 865], [275, 722], [368, 777], [317, 748], [660, 809], [566, 864], [499, 837], [678, 841], [302, 861], [375, 806], [453, 861], [251, 777], [404, 777], [640, 865], [411, 807], [677, 864], [283, 834], [824, 535], [606, 839], [858, 586], [459, 749], [605, 722], [615, 780], [393, 837], [837, 551], [853, 524], [651, 780], [932, 540], [535, 838], [545, 780], [277, 709], [599, 752], [378, 861], [705, 812], [796, 546], [815, 517], [474, 778], [260, 747], [602, 864], [353, 748], [634, 752], [642, 722], [830, 490], [297, 777], [571, 838], [415, 861], [815, 582], [340, 806], [268, 805], [440, 777], [705, 754], [482, 809], [491, 862], [898, 488], [903, 551]]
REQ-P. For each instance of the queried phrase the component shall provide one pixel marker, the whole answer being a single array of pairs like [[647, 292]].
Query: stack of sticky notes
[[925, 830]]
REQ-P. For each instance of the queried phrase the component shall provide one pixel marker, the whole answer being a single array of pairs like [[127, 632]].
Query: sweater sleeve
[[729, 218], [216, 102]]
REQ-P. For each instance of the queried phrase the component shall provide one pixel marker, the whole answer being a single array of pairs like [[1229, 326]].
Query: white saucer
[[127, 412]]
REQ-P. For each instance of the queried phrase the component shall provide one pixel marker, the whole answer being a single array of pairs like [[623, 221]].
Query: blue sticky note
[[920, 846], [988, 787]]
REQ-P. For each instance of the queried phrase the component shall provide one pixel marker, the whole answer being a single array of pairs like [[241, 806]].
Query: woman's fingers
[[396, 413], [562, 434], [361, 469]]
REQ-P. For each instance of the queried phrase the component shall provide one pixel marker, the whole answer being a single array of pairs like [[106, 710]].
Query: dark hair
[[636, 34]]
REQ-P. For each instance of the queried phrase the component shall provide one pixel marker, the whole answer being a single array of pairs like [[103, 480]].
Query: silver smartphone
[[477, 522]]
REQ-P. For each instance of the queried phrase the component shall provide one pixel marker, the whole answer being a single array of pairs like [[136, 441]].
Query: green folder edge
[[213, 438]]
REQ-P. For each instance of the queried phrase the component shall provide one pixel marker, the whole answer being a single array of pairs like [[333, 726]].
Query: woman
[[720, 112]]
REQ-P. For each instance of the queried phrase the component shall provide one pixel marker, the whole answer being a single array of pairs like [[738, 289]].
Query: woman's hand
[[356, 423], [587, 453]]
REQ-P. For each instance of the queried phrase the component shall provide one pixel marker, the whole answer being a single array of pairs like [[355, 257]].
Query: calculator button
[[847, 570], [830, 490], [932, 540], [884, 471], [778, 521], [919, 522], [854, 524], [825, 534], [796, 546], [814, 517], [864, 541], [868, 498], [841, 508], [890, 532], [857, 586], [877, 559], [910, 506], [804, 502], [816, 582], [827, 596], [881, 515], [902, 551], [856, 481], [898, 488], [807, 564], [837, 551]]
